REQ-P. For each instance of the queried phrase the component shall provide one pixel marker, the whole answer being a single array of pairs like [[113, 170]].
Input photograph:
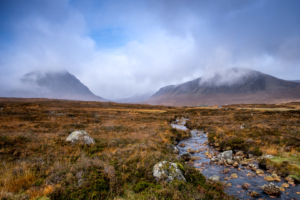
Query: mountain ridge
[[251, 87]]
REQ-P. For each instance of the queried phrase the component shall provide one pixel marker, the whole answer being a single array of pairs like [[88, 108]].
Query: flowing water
[[199, 141]]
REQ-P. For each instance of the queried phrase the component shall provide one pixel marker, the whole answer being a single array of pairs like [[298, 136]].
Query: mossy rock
[[180, 167], [167, 170]]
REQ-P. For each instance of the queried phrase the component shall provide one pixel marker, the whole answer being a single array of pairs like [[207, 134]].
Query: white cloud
[[167, 44]]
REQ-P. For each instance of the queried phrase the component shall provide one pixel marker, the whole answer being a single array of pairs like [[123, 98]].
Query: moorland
[[38, 163]]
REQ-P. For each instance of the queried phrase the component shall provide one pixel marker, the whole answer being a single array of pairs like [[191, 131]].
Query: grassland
[[37, 162]]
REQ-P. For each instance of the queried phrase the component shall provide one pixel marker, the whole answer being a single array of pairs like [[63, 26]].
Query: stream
[[199, 141]]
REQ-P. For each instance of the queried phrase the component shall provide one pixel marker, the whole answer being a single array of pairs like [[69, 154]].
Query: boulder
[[186, 156], [271, 189], [254, 194], [259, 171], [233, 176], [225, 155], [214, 178], [229, 162], [80, 136], [237, 158], [167, 170], [236, 165]]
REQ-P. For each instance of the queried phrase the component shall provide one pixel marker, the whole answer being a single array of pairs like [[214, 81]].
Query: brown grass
[[130, 139]]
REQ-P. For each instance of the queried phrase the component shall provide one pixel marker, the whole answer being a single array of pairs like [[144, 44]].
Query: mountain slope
[[134, 99], [229, 87], [54, 85]]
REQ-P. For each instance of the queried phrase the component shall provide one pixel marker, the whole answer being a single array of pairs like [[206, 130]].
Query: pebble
[[286, 185], [234, 175]]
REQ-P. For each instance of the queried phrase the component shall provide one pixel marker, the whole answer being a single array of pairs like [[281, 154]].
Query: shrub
[[194, 177], [257, 151], [140, 186]]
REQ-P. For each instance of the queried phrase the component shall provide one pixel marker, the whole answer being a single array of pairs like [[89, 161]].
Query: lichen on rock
[[80, 135], [168, 170]]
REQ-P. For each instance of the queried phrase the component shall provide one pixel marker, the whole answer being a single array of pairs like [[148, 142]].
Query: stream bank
[[241, 181]]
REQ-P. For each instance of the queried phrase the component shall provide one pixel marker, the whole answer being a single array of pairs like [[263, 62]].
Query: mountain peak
[[57, 85]]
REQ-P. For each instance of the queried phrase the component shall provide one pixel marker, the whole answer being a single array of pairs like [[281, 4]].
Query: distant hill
[[229, 87], [134, 99], [298, 81], [54, 85]]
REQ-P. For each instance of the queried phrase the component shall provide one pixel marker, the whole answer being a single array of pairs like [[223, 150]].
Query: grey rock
[[242, 126], [175, 150], [225, 155], [167, 170], [214, 178], [237, 158], [80, 135], [229, 162], [214, 159]]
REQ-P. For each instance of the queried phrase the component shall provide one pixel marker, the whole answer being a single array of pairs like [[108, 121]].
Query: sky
[[122, 48]]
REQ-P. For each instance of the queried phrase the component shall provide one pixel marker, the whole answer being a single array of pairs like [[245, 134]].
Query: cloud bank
[[125, 48]]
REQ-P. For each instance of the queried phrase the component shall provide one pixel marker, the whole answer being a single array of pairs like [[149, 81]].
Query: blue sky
[[120, 48]]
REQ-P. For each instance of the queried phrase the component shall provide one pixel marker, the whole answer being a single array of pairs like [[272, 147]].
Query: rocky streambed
[[242, 177]]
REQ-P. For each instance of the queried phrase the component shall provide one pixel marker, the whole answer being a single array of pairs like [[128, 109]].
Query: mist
[[121, 49]]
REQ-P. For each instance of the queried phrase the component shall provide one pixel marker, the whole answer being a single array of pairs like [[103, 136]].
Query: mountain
[[134, 99], [54, 85], [298, 81], [232, 86]]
